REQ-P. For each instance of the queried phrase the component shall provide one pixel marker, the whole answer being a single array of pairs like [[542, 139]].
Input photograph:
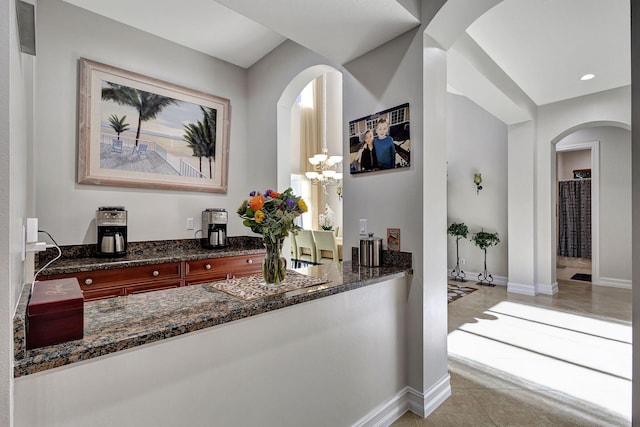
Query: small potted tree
[[459, 231], [484, 240]]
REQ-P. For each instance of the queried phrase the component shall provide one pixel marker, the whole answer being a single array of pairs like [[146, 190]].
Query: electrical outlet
[[363, 226], [462, 261], [189, 223]]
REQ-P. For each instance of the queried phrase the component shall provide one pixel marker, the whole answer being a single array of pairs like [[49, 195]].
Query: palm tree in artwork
[[118, 125], [148, 104], [201, 137]]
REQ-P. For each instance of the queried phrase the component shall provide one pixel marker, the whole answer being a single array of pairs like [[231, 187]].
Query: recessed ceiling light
[[587, 77]]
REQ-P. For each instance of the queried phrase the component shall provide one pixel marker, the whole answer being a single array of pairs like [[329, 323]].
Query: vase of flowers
[[272, 215]]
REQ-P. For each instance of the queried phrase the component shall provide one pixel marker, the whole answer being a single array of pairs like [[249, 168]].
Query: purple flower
[[268, 193], [290, 203], [253, 193]]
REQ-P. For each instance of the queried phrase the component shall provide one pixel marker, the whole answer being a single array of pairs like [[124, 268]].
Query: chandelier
[[325, 169]]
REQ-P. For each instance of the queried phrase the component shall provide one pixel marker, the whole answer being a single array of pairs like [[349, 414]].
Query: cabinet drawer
[[218, 267], [155, 286], [130, 275], [96, 294]]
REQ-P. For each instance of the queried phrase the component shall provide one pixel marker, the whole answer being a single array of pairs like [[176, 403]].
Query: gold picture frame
[[138, 131]]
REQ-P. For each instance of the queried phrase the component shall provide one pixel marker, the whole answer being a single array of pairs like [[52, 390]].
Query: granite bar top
[[129, 321], [78, 258]]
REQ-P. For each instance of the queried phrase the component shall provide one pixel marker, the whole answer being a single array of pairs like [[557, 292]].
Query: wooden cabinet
[[213, 269], [101, 284]]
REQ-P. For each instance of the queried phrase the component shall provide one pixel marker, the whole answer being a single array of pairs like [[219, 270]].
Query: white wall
[[66, 209], [16, 89], [476, 143], [328, 362], [635, 153], [375, 82], [7, 47], [568, 161], [615, 200]]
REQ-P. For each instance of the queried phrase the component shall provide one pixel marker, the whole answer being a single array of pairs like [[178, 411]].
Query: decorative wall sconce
[[477, 180]]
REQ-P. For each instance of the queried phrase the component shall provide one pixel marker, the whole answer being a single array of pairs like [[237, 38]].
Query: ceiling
[[541, 47]]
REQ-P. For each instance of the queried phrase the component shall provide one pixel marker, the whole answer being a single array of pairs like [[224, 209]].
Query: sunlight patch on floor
[[586, 358]]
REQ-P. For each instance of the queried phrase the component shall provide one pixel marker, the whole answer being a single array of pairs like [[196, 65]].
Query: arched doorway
[[589, 135], [288, 138]]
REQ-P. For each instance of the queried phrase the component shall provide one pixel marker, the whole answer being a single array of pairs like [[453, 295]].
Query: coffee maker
[[214, 228], [112, 231]]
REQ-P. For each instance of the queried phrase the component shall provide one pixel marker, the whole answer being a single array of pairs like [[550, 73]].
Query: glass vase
[[274, 265]]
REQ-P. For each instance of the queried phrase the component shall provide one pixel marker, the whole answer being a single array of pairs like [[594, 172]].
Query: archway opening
[[291, 161]]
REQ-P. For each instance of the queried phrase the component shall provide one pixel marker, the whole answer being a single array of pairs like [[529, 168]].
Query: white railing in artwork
[[187, 170], [129, 143]]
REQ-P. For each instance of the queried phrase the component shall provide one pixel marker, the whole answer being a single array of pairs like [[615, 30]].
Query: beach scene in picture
[[380, 141], [145, 132]]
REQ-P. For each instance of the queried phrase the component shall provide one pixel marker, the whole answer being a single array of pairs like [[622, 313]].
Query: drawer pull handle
[[207, 267], [155, 273], [88, 281], [249, 261]]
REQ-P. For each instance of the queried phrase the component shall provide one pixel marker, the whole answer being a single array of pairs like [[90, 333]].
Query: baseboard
[[519, 288], [545, 289], [434, 397], [472, 277], [386, 413], [408, 399], [614, 283]]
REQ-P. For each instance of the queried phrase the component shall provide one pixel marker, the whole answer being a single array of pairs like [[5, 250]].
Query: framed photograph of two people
[[380, 141]]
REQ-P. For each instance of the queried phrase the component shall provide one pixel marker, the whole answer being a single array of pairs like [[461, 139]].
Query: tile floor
[[515, 360]]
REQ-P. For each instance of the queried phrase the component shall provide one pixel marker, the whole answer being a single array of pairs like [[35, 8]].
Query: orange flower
[[256, 202], [274, 194]]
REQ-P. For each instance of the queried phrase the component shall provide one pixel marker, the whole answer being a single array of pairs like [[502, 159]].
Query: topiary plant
[[483, 239], [458, 230]]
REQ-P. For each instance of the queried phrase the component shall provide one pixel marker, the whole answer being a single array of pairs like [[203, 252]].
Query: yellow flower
[[302, 205], [258, 216]]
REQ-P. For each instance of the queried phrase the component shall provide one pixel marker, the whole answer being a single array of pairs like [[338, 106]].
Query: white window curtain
[[311, 129]]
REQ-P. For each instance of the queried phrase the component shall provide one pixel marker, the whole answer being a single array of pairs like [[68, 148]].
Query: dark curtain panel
[[574, 218]]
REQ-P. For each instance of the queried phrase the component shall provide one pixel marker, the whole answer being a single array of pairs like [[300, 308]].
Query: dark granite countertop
[[126, 322]]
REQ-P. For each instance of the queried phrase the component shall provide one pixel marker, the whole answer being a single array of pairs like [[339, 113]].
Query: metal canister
[[370, 251]]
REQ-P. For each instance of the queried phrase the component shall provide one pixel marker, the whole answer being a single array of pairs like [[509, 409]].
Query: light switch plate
[[363, 226], [189, 223]]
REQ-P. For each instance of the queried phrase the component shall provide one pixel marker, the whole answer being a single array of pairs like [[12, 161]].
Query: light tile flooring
[[515, 360]]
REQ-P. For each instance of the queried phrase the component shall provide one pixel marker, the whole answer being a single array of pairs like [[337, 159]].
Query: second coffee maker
[[214, 228]]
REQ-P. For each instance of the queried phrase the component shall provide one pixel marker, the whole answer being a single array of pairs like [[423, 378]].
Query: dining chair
[[294, 250], [304, 240], [326, 247]]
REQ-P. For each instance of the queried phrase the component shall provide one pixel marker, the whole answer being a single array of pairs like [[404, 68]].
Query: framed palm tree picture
[[137, 131]]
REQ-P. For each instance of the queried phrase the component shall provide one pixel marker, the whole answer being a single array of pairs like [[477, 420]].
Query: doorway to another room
[[574, 212]]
